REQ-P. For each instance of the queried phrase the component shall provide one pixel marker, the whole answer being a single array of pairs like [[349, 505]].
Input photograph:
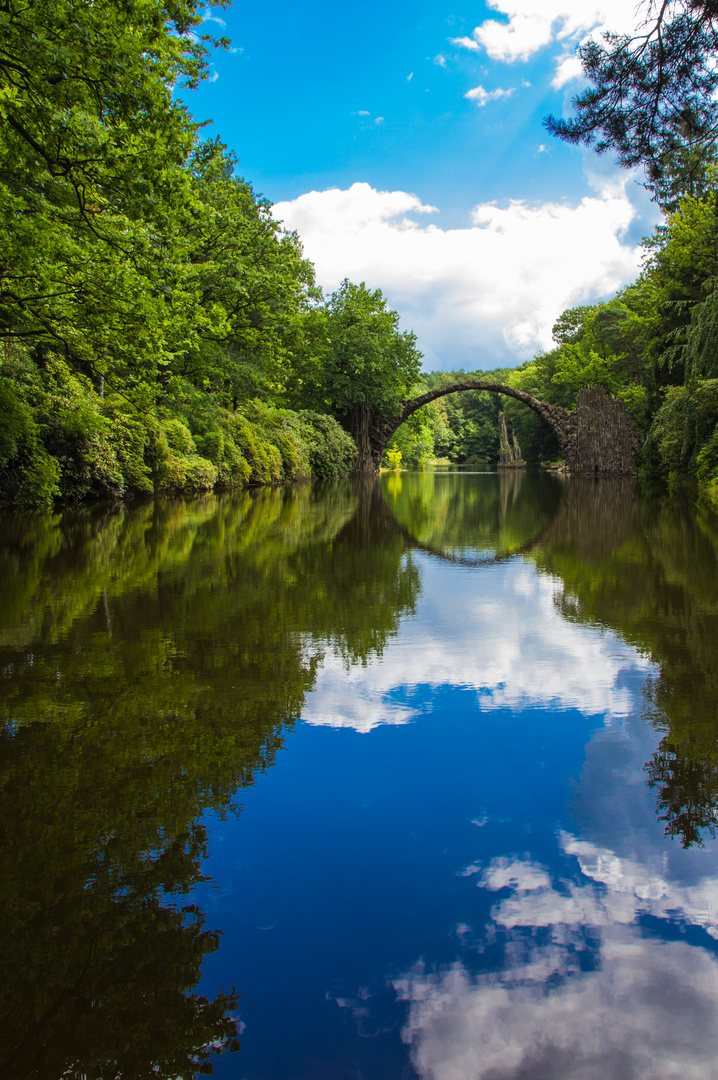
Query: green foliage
[[28, 475], [95, 190], [356, 357], [393, 457], [682, 266], [681, 444], [465, 426], [37, 482], [61, 439], [331, 451], [200, 474], [178, 436], [444, 439], [66, 448], [414, 441], [569, 325], [16, 424], [701, 349]]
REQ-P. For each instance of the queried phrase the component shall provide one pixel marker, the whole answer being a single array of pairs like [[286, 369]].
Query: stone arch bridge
[[596, 437]]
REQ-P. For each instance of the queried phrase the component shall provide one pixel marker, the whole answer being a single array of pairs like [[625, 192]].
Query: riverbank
[[63, 441]]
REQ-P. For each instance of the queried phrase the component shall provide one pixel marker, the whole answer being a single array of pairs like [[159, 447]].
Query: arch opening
[[597, 436], [373, 441]]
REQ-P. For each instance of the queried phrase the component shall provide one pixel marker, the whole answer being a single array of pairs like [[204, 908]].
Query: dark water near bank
[[426, 770]]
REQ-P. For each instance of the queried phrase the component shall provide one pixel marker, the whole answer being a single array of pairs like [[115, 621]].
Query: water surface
[[425, 770]]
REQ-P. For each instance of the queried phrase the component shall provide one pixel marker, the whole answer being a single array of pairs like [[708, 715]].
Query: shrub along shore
[[61, 440]]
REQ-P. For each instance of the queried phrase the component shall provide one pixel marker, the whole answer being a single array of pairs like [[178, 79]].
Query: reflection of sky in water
[[480, 882], [649, 1010], [497, 632], [646, 1008]]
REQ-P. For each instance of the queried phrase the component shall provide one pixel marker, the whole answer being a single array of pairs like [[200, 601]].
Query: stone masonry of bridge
[[597, 437]]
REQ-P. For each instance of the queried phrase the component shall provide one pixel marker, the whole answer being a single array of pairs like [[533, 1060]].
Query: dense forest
[[161, 331]]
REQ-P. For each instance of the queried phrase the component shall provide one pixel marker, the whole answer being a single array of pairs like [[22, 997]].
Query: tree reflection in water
[[152, 658], [648, 571]]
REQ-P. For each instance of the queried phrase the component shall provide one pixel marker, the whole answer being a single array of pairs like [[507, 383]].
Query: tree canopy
[[95, 189], [358, 355]]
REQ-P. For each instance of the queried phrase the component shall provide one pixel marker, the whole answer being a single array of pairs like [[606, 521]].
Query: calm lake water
[[426, 769]]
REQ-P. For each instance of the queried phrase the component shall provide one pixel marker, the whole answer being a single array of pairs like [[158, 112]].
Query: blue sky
[[404, 142]]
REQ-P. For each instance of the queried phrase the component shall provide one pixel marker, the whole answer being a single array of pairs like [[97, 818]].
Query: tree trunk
[[357, 424]]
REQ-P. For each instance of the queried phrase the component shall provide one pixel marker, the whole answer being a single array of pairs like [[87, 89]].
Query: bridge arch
[[374, 434]]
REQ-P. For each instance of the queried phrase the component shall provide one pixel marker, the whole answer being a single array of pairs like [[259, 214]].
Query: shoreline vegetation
[[161, 332]]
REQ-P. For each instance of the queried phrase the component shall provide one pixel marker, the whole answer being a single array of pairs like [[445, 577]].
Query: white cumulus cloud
[[466, 43], [649, 1010], [530, 25], [646, 1008], [567, 69], [482, 97], [479, 296]]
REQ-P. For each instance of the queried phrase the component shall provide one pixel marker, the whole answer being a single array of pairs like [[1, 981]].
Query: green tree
[[95, 193], [359, 364], [248, 283]]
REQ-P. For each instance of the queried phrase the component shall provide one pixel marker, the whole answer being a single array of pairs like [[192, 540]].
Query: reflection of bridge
[[596, 437], [595, 517]]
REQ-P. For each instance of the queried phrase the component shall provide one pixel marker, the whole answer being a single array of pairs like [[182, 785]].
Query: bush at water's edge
[[62, 440]]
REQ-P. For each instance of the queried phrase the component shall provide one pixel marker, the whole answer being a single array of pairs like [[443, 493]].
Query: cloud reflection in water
[[562, 1009], [498, 633], [584, 970]]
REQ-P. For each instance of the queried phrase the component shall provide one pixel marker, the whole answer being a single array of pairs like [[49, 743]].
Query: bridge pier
[[603, 440]]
